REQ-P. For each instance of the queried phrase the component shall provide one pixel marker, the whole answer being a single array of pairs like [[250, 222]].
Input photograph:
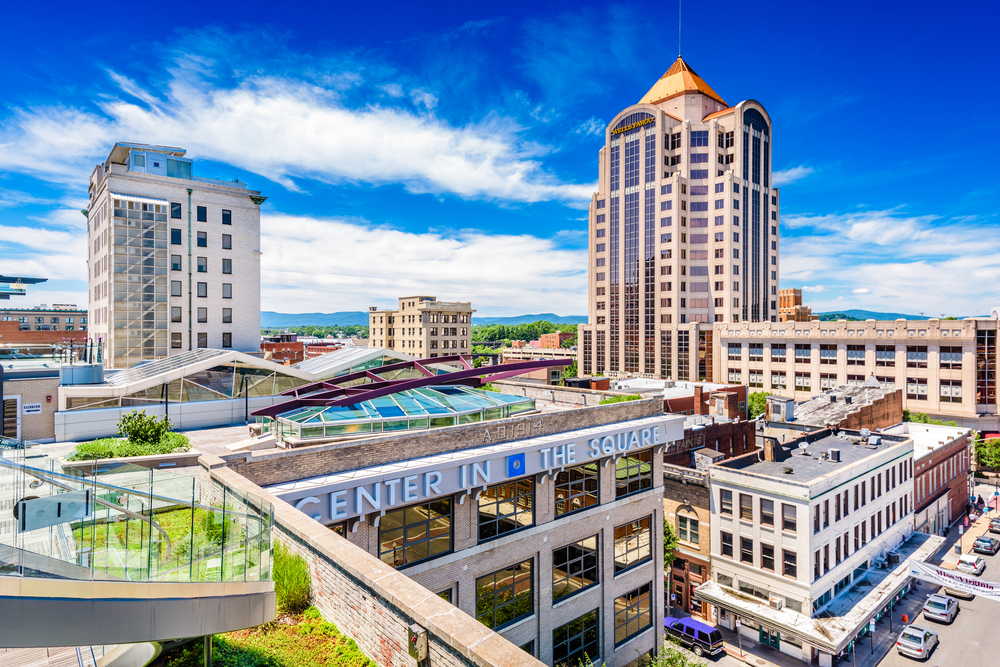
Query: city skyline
[[485, 172]]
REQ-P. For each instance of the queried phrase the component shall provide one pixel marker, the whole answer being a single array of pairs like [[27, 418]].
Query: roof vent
[[848, 400], [787, 470], [833, 399], [835, 455]]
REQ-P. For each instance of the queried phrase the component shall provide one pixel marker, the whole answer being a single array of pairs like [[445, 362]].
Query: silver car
[[916, 642], [940, 608], [971, 564]]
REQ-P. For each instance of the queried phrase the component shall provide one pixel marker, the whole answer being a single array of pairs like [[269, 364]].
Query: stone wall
[[368, 600], [277, 466]]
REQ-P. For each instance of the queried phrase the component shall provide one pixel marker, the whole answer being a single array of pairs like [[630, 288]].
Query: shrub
[[110, 448], [620, 399], [291, 580], [143, 429]]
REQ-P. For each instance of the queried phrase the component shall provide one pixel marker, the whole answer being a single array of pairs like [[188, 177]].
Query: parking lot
[[973, 638]]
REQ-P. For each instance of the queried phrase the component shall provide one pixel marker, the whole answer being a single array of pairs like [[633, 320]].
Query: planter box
[[157, 461]]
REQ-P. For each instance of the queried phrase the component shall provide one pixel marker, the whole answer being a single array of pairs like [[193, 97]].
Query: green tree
[[570, 371], [988, 453], [757, 403], [669, 544], [924, 418], [143, 429]]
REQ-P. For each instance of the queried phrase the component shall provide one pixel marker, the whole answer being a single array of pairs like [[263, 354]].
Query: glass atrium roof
[[424, 407]]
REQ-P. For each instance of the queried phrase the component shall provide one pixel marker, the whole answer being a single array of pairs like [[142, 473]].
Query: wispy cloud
[[814, 288], [786, 176], [299, 130], [591, 127], [533, 273], [862, 290]]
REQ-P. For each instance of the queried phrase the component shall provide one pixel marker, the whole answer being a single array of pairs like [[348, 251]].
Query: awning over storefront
[[846, 617]]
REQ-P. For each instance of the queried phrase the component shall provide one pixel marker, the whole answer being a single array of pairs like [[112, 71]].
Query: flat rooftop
[[808, 464], [833, 405], [927, 437]]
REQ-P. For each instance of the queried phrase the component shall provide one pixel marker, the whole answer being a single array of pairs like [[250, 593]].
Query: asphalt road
[[973, 638]]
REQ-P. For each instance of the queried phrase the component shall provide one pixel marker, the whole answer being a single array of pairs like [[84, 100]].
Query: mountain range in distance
[[271, 320]]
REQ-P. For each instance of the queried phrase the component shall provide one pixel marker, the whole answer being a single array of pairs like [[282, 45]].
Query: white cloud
[[373, 265], [814, 288], [862, 290], [786, 176], [593, 126], [392, 89], [286, 129]]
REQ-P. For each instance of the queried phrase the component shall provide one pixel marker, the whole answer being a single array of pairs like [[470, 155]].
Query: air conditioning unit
[[776, 603]]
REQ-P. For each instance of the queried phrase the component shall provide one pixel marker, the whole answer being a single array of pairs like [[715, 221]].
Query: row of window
[[201, 239], [41, 320], [789, 513], [789, 559], [176, 264], [177, 340], [949, 357], [177, 289], [201, 214], [177, 315], [893, 512], [950, 391]]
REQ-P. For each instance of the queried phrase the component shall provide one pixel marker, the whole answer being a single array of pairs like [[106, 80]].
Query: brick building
[[686, 506], [853, 407], [941, 484], [555, 339], [14, 333]]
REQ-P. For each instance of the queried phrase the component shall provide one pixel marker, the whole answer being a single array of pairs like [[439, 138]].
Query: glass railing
[[124, 522]]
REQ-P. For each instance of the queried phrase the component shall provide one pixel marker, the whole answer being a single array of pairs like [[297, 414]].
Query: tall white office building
[[173, 258], [683, 230]]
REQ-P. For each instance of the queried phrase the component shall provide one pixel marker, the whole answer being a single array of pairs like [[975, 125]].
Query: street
[[971, 639]]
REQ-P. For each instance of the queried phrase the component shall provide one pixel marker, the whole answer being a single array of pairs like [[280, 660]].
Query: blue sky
[[451, 150]]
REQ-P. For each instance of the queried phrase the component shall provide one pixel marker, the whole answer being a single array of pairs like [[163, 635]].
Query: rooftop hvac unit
[[865, 432], [875, 440], [776, 603], [835, 455]]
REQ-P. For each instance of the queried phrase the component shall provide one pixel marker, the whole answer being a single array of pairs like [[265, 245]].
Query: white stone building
[[173, 258], [795, 529]]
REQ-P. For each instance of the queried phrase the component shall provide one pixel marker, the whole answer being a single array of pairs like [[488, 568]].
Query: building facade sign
[[405, 483]]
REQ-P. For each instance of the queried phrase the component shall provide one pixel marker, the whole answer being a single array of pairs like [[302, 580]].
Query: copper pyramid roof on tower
[[679, 80]]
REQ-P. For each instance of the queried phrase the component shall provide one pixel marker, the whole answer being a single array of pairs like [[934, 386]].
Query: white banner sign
[[955, 580]]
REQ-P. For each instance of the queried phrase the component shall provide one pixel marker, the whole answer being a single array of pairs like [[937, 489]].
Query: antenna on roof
[[679, 28]]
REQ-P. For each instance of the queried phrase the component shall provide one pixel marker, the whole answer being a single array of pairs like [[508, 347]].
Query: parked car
[[995, 526], [940, 608], [971, 564], [701, 638], [986, 545], [916, 642]]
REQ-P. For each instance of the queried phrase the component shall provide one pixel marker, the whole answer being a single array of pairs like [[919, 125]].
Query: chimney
[[848, 400], [699, 407]]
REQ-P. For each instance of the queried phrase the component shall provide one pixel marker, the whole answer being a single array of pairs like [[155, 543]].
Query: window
[[727, 544], [227, 217], [788, 517], [203, 290], [766, 512], [666, 205], [576, 489], [916, 388], [227, 290], [175, 288], [202, 239], [574, 568], [227, 266], [699, 174], [202, 214], [789, 563], [175, 262], [202, 340], [698, 158], [175, 211], [203, 265], [634, 473], [632, 544], [885, 355], [175, 314], [687, 529], [504, 596], [855, 355], [633, 613], [767, 557], [202, 315], [951, 391], [175, 237], [412, 534], [726, 502], [227, 315], [576, 641], [916, 356], [699, 138], [506, 507], [746, 507], [227, 241], [746, 550], [816, 519], [176, 341], [951, 357], [227, 340], [600, 233]]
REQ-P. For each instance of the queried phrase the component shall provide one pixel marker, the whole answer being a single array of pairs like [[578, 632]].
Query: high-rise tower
[[173, 258], [683, 230]]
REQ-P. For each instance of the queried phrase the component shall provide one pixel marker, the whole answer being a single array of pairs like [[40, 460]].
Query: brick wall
[[38, 426], [369, 601], [11, 334], [883, 412], [934, 476], [730, 438], [275, 467]]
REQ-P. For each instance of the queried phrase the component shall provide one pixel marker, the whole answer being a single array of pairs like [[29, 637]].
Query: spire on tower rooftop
[[680, 79]]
